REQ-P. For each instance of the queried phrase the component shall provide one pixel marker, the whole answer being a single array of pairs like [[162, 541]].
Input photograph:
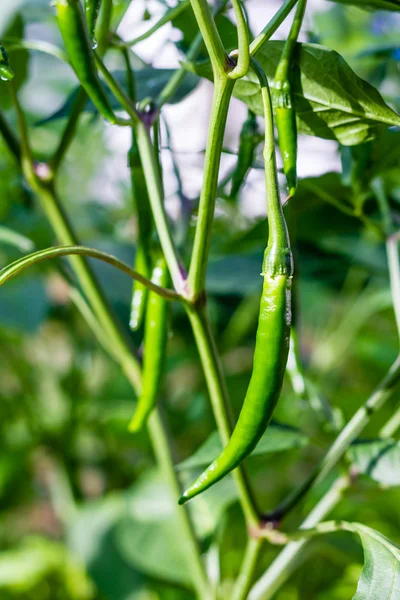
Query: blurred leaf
[[147, 537], [8, 236], [373, 4], [24, 569], [23, 304], [92, 538], [187, 24], [19, 62], [277, 438], [237, 275], [380, 459], [149, 83], [331, 101]]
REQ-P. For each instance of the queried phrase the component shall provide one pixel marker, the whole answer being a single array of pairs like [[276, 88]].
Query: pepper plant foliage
[[89, 495]]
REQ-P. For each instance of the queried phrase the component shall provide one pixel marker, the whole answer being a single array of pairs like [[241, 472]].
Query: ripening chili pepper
[[283, 100], [145, 226], [92, 9], [273, 332], [74, 31], [155, 343], [6, 73], [249, 139]]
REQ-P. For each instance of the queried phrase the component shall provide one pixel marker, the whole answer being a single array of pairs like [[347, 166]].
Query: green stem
[[212, 40], [348, 434], [243, 52], [104, 26], [170, 14], [219, 400], [249, 565], [119, 94], [161, 447], [272, 26], [69, 131], [219, 112], [282, 71], [156, 197], [293, 554], [277, 257], [25, 262], [175, 81]]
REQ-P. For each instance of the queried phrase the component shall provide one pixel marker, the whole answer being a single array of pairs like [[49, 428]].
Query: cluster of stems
[[189, 286]]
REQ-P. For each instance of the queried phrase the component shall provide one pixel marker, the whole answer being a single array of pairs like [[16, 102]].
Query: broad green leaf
[[380, 459], [331, 101], [373, 4], [149, 83], [39, 563], [277, 438], [147, 536], [380, 575]]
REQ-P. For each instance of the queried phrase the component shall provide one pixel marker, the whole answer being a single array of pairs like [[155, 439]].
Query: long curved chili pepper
[[74, 31], [273, 332], [6, 73], [249, 138], [155, 343], [92, 9], [283, 101]]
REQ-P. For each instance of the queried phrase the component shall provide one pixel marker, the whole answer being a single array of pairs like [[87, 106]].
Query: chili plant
[[336, 232]]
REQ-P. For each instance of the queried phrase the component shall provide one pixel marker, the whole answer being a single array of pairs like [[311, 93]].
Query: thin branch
[[211, 37], [27, 261], [168, 16], [272, 26]]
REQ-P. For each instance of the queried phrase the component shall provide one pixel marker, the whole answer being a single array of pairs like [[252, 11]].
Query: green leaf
[[147, 537], [277, 438], [380, 575], [331, 101], [380, 459], [149, 83], [373, 4]]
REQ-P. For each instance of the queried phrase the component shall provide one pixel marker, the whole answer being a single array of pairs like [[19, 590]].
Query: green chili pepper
[[92, 9], [145, 227], [249, 138], [74, 31], [155, 342], [273, 333], [283, 101], [6, 73]]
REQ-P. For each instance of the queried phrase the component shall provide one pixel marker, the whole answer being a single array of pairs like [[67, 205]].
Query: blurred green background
[[84, 513]]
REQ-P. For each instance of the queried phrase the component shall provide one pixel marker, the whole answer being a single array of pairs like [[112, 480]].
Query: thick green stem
[[173, 84], [220, 401], [249, 565], [219, 112], [212, 40]]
